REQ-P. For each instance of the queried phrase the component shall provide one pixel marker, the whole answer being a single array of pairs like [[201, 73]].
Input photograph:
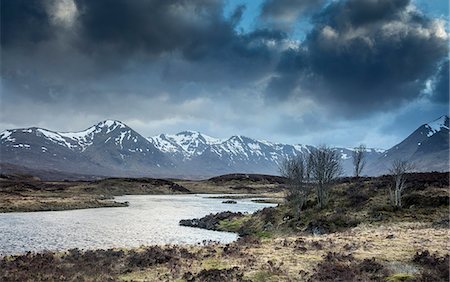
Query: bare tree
[[325, 167], [398, 170], [296, 172], [359, 160]]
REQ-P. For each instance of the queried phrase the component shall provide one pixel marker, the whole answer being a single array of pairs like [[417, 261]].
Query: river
[[149, 219]]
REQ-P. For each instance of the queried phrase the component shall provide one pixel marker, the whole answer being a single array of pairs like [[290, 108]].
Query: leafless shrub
[[296, 171], [324, 166], [398, 170], [359, 161]]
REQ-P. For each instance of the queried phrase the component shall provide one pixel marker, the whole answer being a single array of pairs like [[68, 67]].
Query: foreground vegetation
[[367, 253], [358, 236]]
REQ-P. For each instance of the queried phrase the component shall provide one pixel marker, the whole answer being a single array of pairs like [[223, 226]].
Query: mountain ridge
[[112, 148]]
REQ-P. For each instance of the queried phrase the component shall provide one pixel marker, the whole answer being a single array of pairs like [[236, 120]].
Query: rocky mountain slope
[[427, 147], [111, 148]]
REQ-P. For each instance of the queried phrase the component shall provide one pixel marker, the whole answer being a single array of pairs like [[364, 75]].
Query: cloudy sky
[[338, 72]]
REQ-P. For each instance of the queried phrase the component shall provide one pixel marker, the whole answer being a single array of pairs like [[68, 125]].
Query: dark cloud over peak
[[344, 14], [24, 22], [365, 55]]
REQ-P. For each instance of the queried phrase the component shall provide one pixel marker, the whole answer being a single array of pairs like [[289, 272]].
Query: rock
[[210, 221], [229, 202]]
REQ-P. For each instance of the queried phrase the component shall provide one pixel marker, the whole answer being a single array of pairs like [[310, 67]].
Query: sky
[[336, 72]]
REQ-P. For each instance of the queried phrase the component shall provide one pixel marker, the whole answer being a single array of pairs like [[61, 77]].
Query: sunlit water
[[148, 220]]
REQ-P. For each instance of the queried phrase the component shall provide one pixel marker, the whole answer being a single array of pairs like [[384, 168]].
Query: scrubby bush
[[435, 268], [341, 267], [214, 275]]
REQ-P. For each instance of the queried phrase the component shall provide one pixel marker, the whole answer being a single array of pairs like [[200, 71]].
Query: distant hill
[[111, 148]]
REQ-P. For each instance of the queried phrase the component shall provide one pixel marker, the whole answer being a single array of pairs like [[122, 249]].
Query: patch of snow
[[54, 137], [211, 140], [119, 139], [21, 146], [163, 144], [7, 136], [254, 146], [437, 125], [344, 156]]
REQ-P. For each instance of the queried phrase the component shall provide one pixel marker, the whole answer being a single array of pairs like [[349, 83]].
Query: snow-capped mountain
[[185, 144], [111, 148], [427, 147], [191, 150], [229, 155]]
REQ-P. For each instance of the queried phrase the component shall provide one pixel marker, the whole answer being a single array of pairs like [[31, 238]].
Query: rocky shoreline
[[211, 221]]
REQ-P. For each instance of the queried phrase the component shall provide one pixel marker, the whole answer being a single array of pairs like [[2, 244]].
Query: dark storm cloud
[[195, 30], [354, 13], [24, 22], [363, 55], [441, 88], [112, 35], [172, 41], [153, 27]]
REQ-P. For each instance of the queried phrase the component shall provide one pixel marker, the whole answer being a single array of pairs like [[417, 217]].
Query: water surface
[[149, 219]]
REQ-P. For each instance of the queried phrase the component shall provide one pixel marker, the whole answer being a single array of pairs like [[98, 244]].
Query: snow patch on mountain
[[437, 125], [6, 135]]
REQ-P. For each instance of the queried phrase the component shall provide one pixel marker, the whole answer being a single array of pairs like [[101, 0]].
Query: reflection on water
[[148, 220]]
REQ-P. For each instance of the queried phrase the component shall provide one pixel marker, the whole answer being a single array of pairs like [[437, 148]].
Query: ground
[[358, 237]]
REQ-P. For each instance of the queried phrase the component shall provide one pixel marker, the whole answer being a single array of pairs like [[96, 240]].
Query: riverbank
[[21, 193]]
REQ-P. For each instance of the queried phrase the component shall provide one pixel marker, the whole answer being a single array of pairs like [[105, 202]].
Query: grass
[[262, 276], [399, 277], [232, 225], [215, 263]]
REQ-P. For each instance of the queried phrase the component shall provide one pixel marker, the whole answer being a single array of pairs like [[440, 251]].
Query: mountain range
[[111, 148]]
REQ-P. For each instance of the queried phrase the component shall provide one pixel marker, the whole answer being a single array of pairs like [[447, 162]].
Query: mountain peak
[[111, 123], [189, 134], [437, 125]]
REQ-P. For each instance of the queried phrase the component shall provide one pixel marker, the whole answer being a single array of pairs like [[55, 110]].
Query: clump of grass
[[231, 225], [214, 263], [264, 234], [262, 276], [399, 277]]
